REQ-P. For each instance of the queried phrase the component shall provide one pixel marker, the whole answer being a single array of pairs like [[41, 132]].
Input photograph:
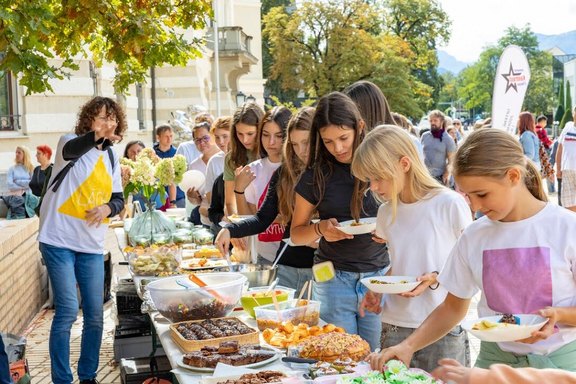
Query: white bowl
[[506, 332], [238, 218], [391, 284], [366, 225], [179, 212], [192, 179]]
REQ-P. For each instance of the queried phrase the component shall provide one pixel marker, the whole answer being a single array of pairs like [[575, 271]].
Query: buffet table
[[174, 353], [172, 350]]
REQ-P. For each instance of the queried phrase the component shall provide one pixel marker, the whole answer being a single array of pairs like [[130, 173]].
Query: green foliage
[[41, 39], [560, 109], [324, 46], [476, 82], [567, 107]]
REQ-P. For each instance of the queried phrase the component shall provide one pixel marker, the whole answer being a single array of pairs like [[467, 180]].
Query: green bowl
[[255, 298]]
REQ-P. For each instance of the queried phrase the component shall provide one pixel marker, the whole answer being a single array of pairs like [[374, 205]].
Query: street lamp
[[250, 99], [240, 98]]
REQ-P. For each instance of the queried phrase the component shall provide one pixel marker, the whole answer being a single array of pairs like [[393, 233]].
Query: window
[[9, 118]]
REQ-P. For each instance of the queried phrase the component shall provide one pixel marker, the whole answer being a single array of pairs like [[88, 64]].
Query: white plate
[[394, 286], [367, 225], [238, 218], [254, 365], [528, 324], [192, 264]]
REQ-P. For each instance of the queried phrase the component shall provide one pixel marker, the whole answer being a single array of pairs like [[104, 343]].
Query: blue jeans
[[341, 297], [5, 377], [66, 268], [294, 278]]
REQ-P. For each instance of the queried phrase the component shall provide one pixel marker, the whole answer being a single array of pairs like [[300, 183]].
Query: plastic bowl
[[257, 275], [268, 317], [256, 297], [180, 303]]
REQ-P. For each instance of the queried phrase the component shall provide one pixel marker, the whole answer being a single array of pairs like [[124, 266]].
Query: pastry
[[333, 346], [228, 353]]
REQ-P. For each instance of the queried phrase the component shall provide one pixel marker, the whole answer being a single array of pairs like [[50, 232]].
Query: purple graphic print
[[517, 280]]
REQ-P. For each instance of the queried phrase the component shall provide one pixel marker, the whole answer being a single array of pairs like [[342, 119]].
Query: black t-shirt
[[360, 254], [297, 257], [37, 181]]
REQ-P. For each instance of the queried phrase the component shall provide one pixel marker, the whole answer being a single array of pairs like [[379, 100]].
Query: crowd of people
[[466, 212]]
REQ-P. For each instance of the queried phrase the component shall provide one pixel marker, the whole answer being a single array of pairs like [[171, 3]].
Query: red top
[[543, 136]]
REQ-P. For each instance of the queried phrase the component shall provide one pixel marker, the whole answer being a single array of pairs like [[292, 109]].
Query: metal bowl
[[257, 275]]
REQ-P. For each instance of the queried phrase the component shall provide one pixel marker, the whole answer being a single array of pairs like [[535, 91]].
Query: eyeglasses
[[203, 139], [457, 124], [108, 119]]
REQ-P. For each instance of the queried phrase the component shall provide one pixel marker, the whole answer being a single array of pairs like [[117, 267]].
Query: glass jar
[[151, 227]]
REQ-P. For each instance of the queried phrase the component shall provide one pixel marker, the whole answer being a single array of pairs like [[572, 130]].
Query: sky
[[479, 23]]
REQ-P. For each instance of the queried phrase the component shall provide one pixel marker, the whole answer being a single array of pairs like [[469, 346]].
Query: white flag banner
[[510, 85]]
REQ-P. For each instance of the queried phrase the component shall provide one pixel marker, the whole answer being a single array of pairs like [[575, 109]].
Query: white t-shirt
[[263, 169], [200, 165], [214, 168], [420, 241], [520, 267], [189, 151], [88, 184], [568, 140]]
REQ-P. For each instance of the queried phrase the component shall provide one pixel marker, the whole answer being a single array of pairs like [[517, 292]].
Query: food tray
[[196, 345]]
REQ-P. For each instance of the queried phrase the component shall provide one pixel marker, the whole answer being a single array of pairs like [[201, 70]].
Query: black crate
[[127, 300], [135, 371]]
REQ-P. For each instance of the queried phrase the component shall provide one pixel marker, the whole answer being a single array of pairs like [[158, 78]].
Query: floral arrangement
[[149, 175], [395, 372]]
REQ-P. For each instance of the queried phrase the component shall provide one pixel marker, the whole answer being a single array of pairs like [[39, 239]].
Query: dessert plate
[[352, 227], [390, 284], [253, 365]]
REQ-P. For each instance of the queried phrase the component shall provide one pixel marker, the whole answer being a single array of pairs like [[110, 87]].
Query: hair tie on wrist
[[238, 192]]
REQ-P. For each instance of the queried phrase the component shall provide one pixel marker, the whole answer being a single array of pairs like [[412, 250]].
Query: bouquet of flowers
[[395, 372], [147, 177]]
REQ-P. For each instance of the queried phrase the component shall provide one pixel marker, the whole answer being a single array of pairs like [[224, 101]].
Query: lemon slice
[[323, 271]]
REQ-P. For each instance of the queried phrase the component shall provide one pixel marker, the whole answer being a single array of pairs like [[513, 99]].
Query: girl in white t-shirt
[[251, 181], [420, 220], [520, 255]]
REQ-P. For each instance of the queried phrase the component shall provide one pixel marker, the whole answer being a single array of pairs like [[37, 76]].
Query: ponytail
[[533, 181]]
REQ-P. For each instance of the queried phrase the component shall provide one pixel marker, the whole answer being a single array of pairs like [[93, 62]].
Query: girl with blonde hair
[[518, 256], [20, 174], [414, 202]]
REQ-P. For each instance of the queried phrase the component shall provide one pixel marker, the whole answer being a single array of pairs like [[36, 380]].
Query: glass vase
[[151, 227]]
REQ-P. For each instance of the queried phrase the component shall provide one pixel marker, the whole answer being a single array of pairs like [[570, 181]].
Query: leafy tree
[[424, 25], [567, 107], [327, 45], [560, 109], [476, 82], [273, 86], [41, 39]]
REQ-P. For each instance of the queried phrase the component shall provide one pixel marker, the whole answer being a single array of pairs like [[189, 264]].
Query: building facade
[[36, 119]]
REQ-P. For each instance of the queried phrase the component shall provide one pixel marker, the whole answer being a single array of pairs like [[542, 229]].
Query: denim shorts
[[292, 277], [454, 345]]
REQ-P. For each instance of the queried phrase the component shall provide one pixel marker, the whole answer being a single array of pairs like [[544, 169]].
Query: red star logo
[[511, 83]]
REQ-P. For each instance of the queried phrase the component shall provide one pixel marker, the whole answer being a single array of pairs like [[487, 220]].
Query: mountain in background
[[565, 41], [448, 63]]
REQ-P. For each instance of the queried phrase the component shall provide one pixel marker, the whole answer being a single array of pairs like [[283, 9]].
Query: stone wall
[[23, 278]]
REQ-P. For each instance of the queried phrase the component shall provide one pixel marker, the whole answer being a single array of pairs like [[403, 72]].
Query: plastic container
[[203, 236], [175, 301], [255, 297], [297, 311], [155, 261], [323, 271]]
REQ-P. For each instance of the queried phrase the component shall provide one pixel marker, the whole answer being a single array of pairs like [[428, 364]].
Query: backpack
[[55, 183]]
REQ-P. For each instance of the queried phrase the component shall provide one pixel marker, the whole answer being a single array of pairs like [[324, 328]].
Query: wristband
[[437, 282], [319, 231], [238, 192], [172, 201]]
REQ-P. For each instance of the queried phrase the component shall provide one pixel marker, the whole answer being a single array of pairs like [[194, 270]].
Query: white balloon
[[192, 179]]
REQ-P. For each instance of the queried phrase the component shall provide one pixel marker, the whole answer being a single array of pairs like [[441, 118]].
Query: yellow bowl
[[256, 297]]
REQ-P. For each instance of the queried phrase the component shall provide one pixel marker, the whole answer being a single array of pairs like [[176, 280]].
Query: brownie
[[228, 347]]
